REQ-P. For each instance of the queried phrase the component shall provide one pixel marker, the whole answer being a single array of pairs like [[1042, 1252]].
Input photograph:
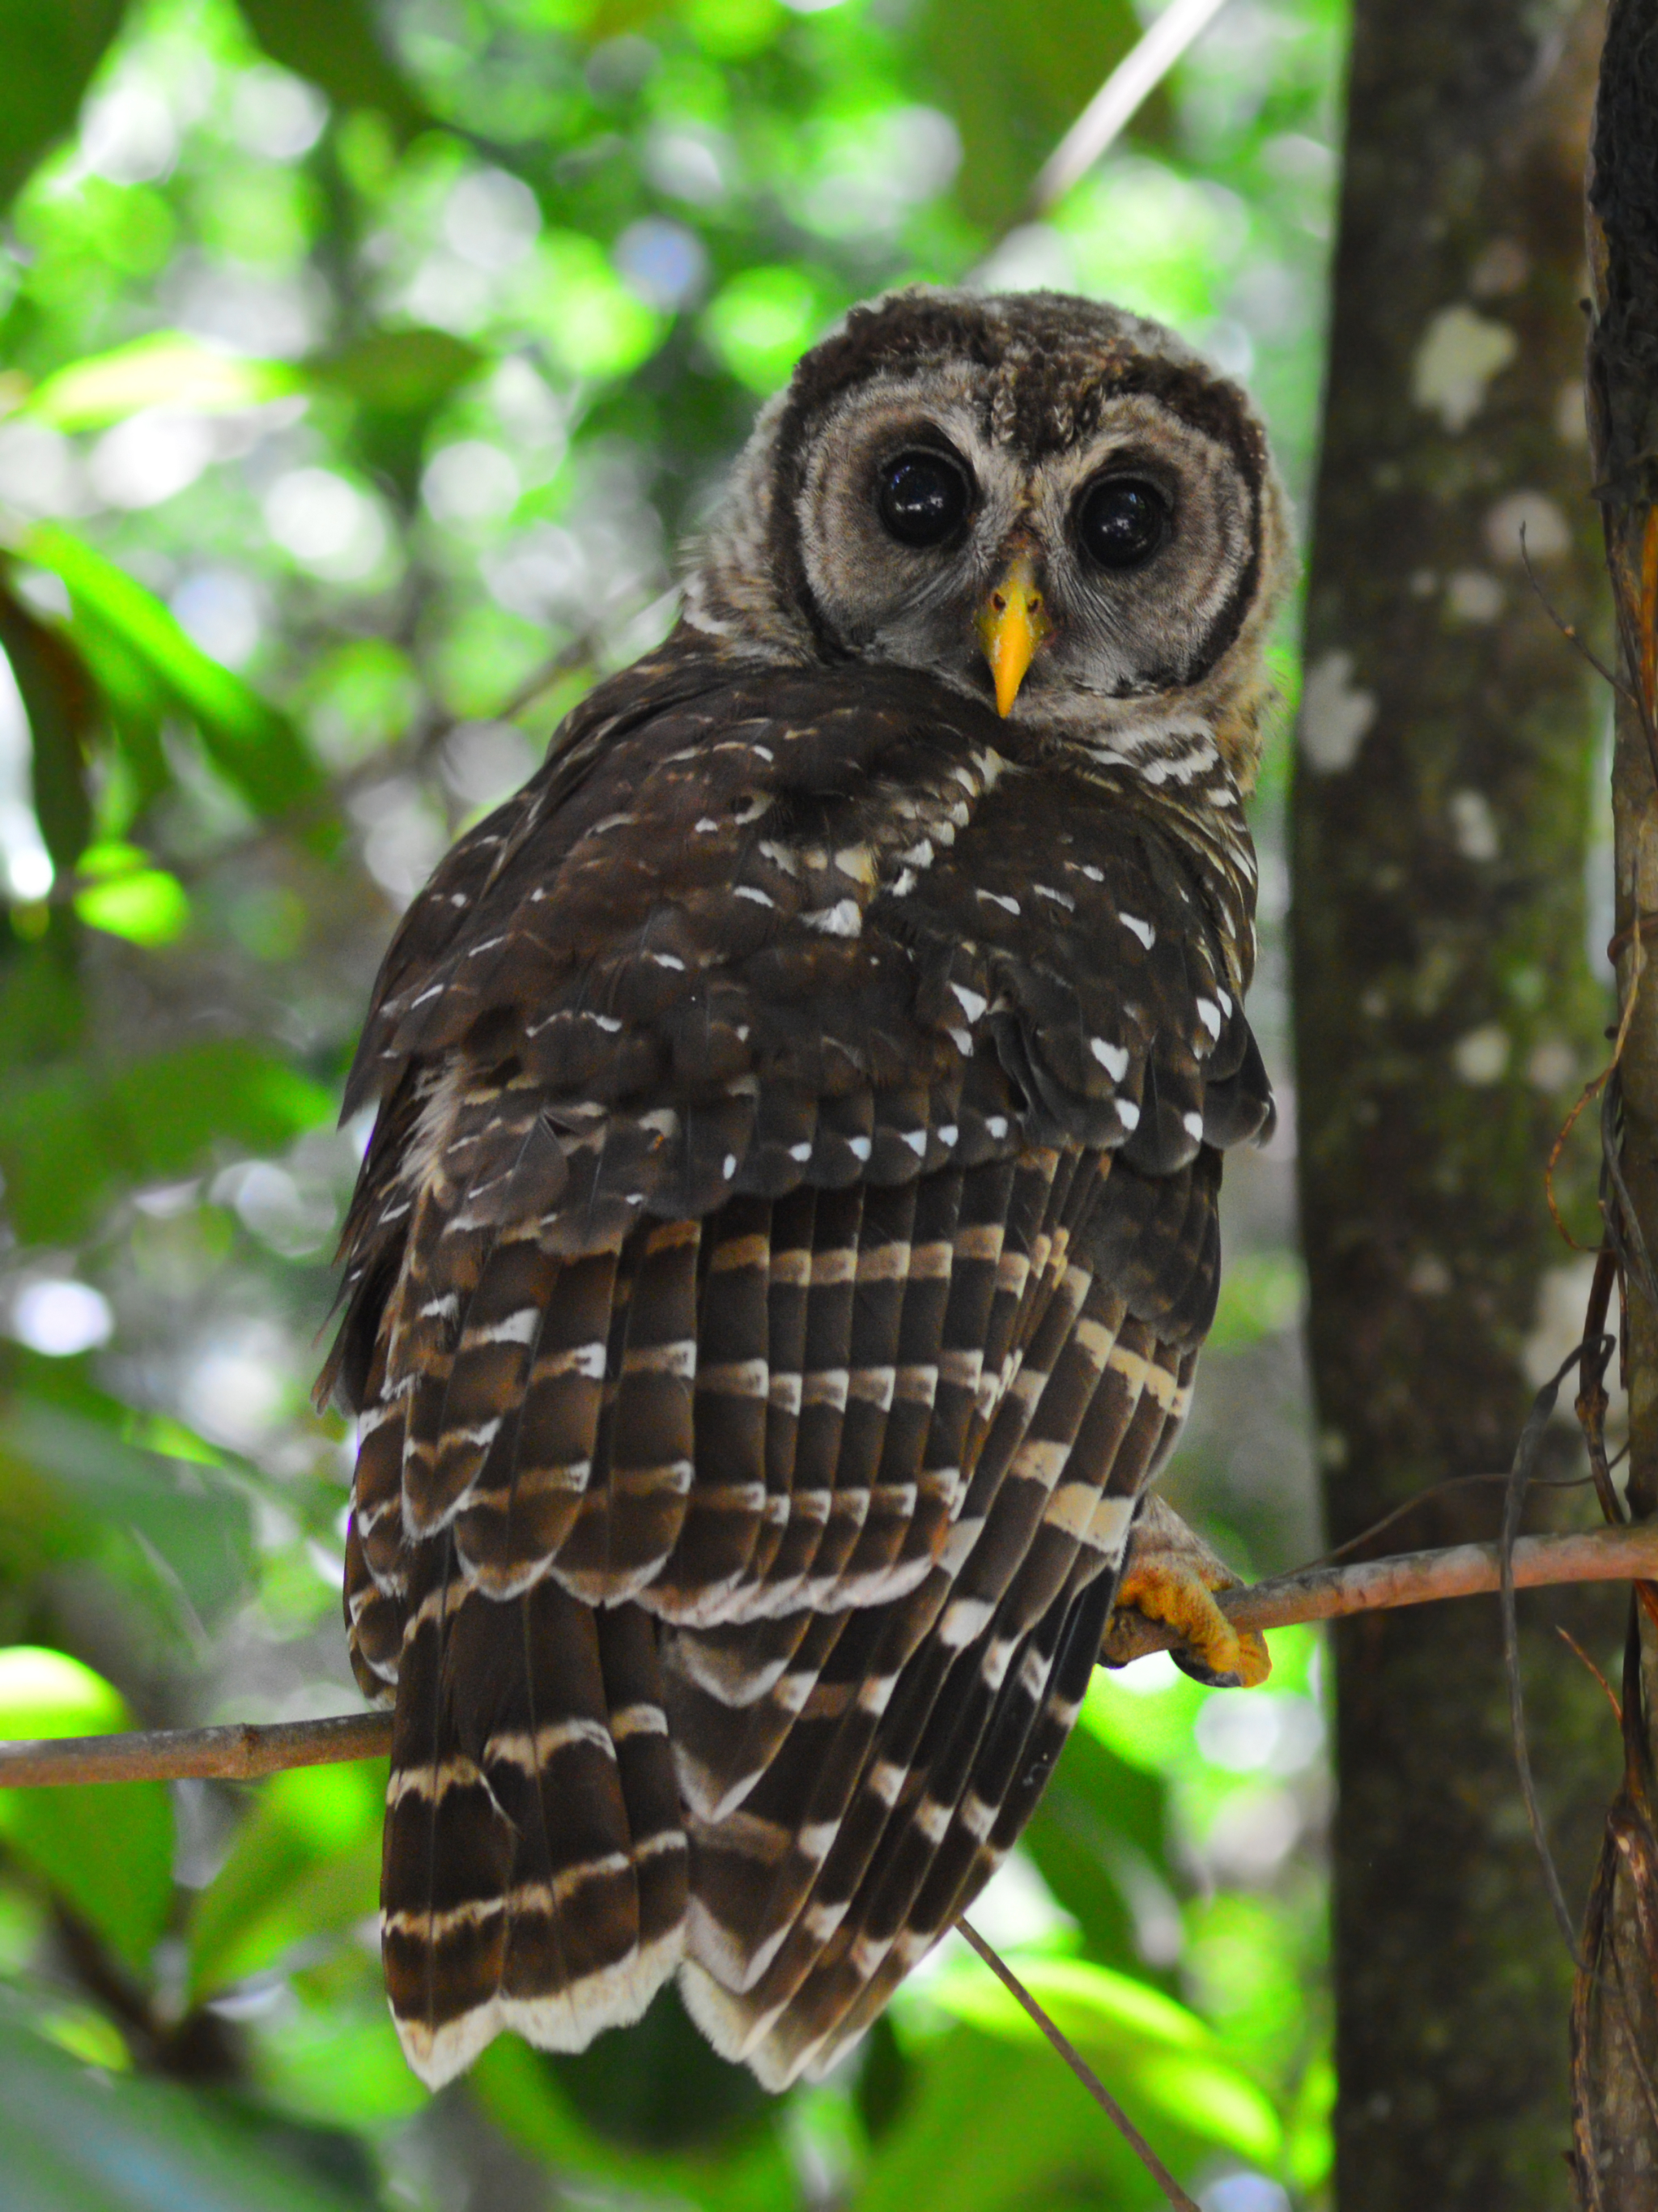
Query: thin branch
[[243, 1752], [1121, 98], [240, 1752], [1080, 2067], [1514, 1505], [1330, 1593]]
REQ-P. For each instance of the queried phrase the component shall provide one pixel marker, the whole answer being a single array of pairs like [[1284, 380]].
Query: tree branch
[[243, 1752]]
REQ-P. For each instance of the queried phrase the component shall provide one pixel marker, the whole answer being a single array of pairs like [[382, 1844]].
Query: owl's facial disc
[[1109, 567]]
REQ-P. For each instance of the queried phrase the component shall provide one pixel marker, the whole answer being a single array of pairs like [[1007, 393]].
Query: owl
[[790, 1222]]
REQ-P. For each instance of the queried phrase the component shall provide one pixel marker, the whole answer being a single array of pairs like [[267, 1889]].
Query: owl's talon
[[1170, 1577]]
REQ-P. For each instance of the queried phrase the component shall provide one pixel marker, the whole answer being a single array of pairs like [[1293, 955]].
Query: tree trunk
[[1445, 1018], [1616, 2017]]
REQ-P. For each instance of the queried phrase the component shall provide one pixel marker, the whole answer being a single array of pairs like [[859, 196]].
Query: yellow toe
[[1173, 1593]]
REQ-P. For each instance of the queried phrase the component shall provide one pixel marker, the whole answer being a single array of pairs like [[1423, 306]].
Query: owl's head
[[1038, 499]]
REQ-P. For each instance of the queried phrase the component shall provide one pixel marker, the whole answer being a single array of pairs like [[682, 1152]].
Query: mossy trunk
[[1446, 1018]]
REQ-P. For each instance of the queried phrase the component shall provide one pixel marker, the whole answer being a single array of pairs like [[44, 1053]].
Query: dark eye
[[922, 498], [1123, 522]]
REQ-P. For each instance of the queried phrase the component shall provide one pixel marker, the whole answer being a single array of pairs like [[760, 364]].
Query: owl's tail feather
[[535, 1868]]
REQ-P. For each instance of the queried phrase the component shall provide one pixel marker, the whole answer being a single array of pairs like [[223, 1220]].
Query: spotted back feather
[[778, 1267]]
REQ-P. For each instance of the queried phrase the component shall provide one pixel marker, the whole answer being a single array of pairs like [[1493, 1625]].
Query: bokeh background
[[363, 371]]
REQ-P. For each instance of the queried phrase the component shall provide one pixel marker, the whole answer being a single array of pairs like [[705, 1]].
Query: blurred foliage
[[362, 366]]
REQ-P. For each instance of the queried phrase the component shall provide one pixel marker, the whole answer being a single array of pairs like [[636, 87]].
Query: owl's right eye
[[922, 498]]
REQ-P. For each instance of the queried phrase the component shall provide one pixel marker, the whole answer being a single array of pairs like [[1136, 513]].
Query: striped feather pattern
[[777, 1270]]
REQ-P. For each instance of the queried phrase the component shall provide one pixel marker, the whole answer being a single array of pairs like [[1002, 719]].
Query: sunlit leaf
[[105, 1850], [1213, 2100], [165, 369], [759, 325], [591, 324], [257, 749], [80, 2141], [47, 57], [1001, 2127], [1133, 2033], [305, 1863], [339, 2063], [141, 904], [734, 29], [336, 45], [1157, 242]]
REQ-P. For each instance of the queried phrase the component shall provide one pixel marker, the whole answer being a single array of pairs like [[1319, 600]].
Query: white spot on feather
[[844, 919]]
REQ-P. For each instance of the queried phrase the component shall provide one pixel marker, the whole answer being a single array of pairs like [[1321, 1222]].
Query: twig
[[1514, 1504], [243, 1752], [1331, 1593], [1121, 98], [240, 1752], [1084, 2072]]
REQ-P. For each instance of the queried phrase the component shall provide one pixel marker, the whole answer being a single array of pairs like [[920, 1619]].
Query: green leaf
[[998, 2127], [1131, 2033], [47, 58], [69, 1139], [761, 321], [138, 901], [257, 749], [1014, 84], [334, 43], [78, 2140], [1100, 1819], [77, 1487], [401, 372], [59, 699], [106, 1850], [305, 1863], [340, 2064], [591, 324], [167, 368]]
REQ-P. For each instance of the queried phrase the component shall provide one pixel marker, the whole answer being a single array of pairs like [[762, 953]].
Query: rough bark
[[1445, 1018], [1616, 2017]]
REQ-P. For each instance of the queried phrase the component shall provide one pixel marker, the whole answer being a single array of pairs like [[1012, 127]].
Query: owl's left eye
[[922, 498], [1122, 522]]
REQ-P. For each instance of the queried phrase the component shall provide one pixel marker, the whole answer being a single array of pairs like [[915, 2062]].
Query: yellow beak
[[1013, 623]]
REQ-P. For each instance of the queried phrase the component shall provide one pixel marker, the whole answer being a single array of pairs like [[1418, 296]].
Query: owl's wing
[[766, 1214]]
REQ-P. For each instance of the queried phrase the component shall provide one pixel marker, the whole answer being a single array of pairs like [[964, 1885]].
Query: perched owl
[[790, 1224]]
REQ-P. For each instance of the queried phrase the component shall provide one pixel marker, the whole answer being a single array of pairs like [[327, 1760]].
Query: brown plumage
[[790, 1224]]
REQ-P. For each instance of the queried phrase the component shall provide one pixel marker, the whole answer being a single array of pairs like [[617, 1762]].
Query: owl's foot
[[1170, 1577]]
